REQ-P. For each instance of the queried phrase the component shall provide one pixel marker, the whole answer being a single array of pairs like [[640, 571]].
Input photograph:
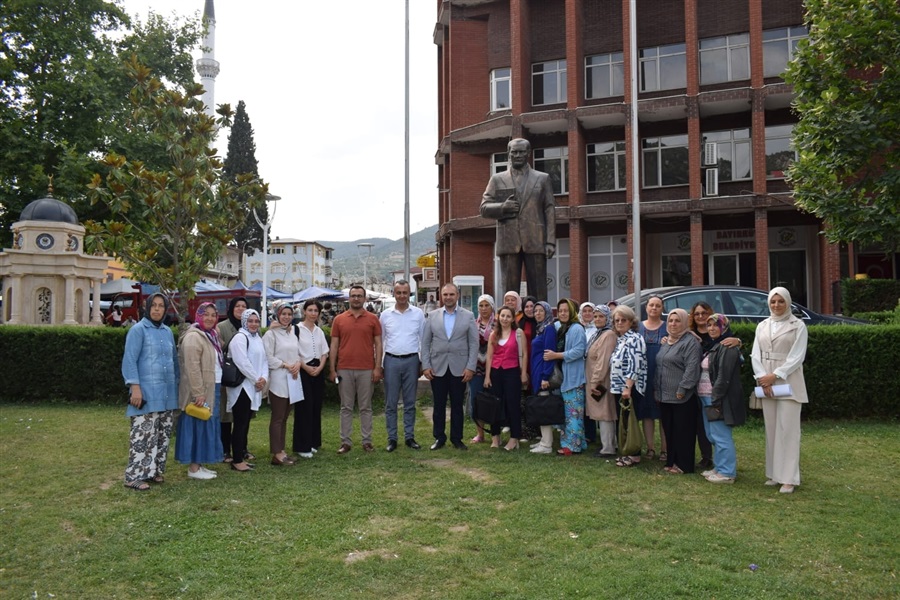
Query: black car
[[736, 303]]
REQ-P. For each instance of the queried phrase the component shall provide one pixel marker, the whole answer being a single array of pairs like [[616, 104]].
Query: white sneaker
[[305, 454], [708, 473], [542, 450], [786, 489], [536, 444], [315, 450], [716, 478], [771, 482], [199, 474], [205, 470]]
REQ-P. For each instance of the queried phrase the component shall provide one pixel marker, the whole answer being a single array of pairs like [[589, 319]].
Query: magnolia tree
[[848, 139], [169, 223]]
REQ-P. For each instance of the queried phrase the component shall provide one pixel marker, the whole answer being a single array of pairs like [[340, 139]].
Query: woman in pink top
[[507, 375]]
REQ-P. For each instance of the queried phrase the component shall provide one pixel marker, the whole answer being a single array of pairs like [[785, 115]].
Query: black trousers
[[443, 386], [679, 421], [241, 427], [535, 273], [507, 385], [308, 413]]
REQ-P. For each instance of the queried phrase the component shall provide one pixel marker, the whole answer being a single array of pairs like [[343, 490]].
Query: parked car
[[736, 303]]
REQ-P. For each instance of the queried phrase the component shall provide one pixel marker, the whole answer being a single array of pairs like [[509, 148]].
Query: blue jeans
[[401, 377], [724, 452]]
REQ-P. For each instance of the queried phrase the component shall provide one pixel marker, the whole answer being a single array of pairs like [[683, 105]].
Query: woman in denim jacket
[[150, 369]]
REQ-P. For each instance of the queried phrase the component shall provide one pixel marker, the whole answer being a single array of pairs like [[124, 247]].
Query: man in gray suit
[[449, 356], [521, 199]]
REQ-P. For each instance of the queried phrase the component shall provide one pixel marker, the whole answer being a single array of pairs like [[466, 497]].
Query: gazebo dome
[[49, 209]]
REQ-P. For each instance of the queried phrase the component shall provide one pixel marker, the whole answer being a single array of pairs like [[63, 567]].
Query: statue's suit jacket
[[459, 352], [535, 225]]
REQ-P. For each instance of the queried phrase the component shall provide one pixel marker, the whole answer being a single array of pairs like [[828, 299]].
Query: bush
[[869, 295], [76, 364], [850, 371], [883, 317]]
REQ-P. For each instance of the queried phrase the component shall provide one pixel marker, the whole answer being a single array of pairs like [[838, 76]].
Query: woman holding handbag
[[199, 440], [779, 350], [249, 356], [507, 375], [722, 399], [570, 345], [542, 370], [600, 405], [226, 330], [485, 324], [628, 373]]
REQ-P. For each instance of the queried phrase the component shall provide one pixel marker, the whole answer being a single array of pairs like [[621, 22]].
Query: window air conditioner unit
[[712, 182], [710, 154]]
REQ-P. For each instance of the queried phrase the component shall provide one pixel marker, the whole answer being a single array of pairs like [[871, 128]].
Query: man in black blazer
[[449, 356]]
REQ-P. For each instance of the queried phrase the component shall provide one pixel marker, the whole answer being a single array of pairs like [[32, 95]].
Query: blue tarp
[[270, 293]]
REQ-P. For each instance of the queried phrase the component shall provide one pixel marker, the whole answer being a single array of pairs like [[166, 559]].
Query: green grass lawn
[[445, 524]]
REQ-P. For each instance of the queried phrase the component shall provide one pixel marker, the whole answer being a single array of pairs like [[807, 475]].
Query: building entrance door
[[731, 269]]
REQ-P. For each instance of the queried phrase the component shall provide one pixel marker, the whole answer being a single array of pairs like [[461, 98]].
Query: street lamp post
[[365, 261], [265, 229]]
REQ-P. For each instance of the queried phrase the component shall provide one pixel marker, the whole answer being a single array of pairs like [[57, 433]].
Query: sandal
[[227, 459], [663, 456], [138, 485], [157, 479], [674, 470], [249, 456], [626, 461], [651, 454]]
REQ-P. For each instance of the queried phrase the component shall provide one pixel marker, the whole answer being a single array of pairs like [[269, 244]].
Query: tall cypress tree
[[241, 160]]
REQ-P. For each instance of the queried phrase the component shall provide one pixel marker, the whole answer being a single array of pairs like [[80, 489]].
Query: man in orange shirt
[[355, 363]]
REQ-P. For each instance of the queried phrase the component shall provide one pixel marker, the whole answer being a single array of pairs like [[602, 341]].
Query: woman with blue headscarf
[[600, 404], [150, 369], [570, 344], [249, 355]]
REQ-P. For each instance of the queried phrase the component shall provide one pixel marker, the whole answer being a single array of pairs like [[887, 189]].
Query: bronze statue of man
[[521, 199]]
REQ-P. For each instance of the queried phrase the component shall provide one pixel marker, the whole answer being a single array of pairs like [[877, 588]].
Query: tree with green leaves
[[64, 94], [241, 160], [168, 224], [847, 81]]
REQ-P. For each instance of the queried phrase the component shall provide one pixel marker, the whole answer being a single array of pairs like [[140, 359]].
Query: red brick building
[[714, 129]]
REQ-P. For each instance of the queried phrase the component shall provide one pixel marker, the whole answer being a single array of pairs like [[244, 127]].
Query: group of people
[[603, 362]]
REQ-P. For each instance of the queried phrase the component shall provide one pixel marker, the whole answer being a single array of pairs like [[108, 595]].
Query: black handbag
[[544, 410], [489, 408], [231, 375], [714, 412], [556, 378]]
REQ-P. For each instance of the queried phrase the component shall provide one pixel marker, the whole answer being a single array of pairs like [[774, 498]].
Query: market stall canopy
[[117, 286], [270, 293], [319, 293]]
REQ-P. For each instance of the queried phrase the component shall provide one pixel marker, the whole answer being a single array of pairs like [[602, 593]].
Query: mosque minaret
[[208, 66]]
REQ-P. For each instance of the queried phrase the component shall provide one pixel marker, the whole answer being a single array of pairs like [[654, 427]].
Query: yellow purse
[[198, 412]]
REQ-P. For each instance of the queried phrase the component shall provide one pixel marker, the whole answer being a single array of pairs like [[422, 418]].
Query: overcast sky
[[324, 87]]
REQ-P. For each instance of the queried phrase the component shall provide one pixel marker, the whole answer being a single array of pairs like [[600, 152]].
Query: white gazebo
[[47, 277]]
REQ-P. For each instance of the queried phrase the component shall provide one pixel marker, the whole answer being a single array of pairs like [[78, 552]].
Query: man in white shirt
[[401, 330]]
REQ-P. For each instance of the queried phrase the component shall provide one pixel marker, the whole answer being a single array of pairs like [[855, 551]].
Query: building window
[[277, 250], [779, 46], [725, 58], [663, 68], [733, 149], [606, 166], [604, 75], [500, 89], [548, 82], [779, 151], [555, 162], [277, 285], [499, 163], [277, 268], [676, 270], [665, 160]]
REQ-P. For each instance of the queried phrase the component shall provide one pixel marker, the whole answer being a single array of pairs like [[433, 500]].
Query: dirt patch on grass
[[475, 473], [458, 529], [364, 554]]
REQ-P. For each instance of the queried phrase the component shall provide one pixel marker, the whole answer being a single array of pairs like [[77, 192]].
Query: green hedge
[[850, 371], [869, 295], [75, 364]]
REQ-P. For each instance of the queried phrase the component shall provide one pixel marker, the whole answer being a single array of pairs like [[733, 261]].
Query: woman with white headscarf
[[485, 324], [779, 350], [249, 354]]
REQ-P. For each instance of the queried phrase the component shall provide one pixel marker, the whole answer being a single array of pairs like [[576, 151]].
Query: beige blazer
[[596, 369], [197, 361], [782, 353]]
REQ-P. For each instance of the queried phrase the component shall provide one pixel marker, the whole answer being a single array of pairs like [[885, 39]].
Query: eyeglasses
[[700, 313]]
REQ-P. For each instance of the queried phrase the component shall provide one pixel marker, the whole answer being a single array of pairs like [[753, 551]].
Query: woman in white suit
[[779, 350]]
